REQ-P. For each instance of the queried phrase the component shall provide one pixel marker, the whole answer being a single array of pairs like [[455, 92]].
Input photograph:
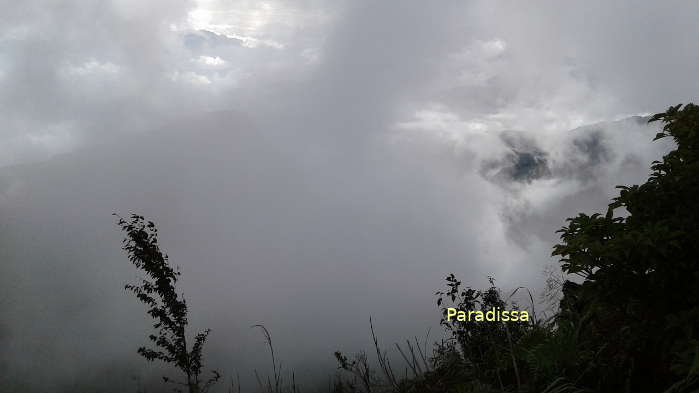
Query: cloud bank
[[309, 164]]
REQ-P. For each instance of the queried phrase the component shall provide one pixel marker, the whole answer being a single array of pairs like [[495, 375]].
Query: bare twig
[[384, 363]]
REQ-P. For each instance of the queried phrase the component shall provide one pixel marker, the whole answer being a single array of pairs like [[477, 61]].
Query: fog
[[309, 164]]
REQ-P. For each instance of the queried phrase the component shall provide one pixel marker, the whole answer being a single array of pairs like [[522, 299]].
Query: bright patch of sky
[[255, 23]]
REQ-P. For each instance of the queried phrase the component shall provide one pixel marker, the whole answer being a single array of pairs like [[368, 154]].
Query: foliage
[[487, 347], [168, 309], [640, 286]]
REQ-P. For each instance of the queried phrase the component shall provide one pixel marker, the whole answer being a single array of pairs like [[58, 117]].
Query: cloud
[[309, 164]]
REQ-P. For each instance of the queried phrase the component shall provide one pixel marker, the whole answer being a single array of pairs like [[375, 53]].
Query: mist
[[308, 164]]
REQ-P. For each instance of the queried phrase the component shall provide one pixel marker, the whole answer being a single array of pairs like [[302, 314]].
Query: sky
[[309, 163]]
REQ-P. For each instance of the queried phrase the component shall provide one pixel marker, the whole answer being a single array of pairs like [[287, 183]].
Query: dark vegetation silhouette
[[167, 308], [627, 323], [276, 383]]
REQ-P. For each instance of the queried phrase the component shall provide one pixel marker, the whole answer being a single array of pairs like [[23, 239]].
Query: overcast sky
[[309, 163]]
